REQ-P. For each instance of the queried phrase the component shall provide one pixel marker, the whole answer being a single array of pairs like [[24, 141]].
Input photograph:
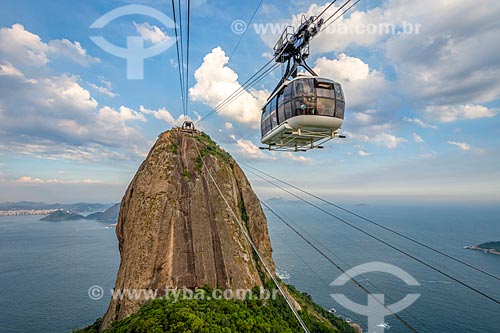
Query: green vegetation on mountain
[[227, 316], [490, 246], [210, 147]]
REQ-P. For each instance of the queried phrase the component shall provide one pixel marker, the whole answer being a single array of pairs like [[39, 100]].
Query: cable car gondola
[[305, 110]]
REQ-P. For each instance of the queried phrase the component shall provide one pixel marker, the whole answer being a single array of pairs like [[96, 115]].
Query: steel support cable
[[186, 100], [377, 224], [491, 298], [336, 12], [247, 25], [238, 92], [179, 63], [324, 10], [250, 85], [242, 87], [345, 11], [356, 282], [257, 252], [327, 249], [233, 52]]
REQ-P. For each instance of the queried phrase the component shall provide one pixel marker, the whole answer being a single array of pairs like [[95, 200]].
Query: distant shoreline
[[485, 250]]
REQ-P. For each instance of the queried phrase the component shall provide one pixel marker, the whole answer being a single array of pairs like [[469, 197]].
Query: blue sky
[[422, 108]]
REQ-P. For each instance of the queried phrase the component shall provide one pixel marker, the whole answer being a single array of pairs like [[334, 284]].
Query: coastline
[[478, 248]]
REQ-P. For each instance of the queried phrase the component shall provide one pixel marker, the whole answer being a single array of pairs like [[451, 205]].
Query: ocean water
[[46, 268], [444, 305]]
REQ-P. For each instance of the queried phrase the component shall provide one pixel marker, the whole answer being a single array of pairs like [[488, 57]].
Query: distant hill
[[94, 216], [111, 214], [489, 247], [62, 215], [79, 207]]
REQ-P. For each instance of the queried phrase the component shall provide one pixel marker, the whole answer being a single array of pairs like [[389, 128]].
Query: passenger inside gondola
[[305, 101]]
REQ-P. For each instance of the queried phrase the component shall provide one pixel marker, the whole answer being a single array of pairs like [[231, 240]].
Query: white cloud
[[388, 140], [461, 145], [18, 44], [109, 115], [296, 157], [151, 33], [452, 60], [363, 153], [419, 122], [365, 118], [9, 70], [248, 149], [417, 138], [25, 48], [228, 125], [329, 41], [451, 113], [362, 86], [215, 82], [31, 180], [71, 50], [106, 89], [165, 115], [52, 116]]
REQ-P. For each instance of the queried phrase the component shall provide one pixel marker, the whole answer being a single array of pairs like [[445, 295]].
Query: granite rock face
[[175, 230]]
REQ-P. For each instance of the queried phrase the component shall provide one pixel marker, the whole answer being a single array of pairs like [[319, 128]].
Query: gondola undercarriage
[[301, 138]]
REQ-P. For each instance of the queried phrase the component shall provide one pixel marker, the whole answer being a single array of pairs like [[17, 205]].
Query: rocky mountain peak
[[175, 229]]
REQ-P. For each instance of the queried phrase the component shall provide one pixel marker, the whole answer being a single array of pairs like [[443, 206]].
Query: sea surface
[[47, 268]]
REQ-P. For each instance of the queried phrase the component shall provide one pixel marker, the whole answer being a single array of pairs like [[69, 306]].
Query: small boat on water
[[332, 310]]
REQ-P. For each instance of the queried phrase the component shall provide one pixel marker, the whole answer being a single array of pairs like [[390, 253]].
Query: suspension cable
[[339, 259], [382, 241], [324, 10], [247, 25], [377, 224], [238, 92], [252, 83], [242, 87], [179, 63], [257, 252], [355, 281], [186, 100], [338, 10], [345, 11]]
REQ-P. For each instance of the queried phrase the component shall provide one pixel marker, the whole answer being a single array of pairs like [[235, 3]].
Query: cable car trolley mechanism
[[304, 110]]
